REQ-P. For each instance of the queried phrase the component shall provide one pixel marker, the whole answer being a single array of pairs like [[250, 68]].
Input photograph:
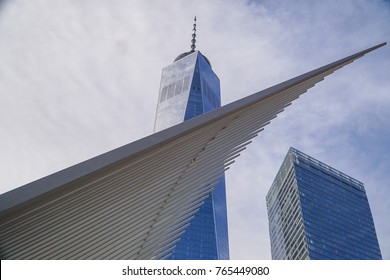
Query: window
[[179, 85], [171, 90], [164, 94]]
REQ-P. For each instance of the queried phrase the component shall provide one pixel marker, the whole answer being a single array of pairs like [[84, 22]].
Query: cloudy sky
[[81, 77]]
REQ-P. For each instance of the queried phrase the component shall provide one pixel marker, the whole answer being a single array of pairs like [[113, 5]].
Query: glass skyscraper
[[189, 88], [317, 212]]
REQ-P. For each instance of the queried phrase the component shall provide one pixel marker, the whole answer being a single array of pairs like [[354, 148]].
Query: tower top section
[[193, 45]]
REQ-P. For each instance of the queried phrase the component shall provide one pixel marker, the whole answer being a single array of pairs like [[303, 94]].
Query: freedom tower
[[189, 88]]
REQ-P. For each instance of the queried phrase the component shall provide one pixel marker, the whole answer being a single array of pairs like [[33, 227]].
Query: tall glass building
[[189, 88], [317, 212]]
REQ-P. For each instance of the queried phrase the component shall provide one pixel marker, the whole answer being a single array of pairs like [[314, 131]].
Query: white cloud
[[79, 78]]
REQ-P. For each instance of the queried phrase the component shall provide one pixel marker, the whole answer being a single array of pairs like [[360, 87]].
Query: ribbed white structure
[[135, 202]]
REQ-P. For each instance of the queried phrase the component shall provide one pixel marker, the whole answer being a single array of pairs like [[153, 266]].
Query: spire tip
[[193, 41]]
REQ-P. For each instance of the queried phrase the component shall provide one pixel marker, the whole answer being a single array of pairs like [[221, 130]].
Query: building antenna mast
[[193, 41]]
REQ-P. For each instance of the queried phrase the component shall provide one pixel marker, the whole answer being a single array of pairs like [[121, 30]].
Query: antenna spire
[[193, 41]]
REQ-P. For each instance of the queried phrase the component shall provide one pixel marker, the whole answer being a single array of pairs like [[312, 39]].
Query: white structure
[[134, 202]]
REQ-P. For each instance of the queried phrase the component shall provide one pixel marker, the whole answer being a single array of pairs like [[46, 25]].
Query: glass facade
[[317, 212], [189, 88]]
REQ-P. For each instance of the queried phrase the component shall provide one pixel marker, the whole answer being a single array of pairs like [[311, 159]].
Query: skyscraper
[[317, 212], [189, 88]]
